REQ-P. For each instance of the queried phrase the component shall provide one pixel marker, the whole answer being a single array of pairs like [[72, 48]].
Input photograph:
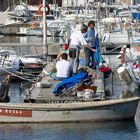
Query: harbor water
[[71, 131], [119, 130]]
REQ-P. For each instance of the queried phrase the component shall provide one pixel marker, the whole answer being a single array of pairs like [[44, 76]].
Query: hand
[[58, 57], [94, 50]]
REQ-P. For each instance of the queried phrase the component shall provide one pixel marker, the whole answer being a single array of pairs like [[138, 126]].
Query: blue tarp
[[97, 55], [136, 16], [70, 82]]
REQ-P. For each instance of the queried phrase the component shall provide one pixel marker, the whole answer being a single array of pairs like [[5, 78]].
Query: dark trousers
[[89, 58], [74, 55]]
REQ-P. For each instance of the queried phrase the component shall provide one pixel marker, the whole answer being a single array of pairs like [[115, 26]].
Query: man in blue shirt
[[90, 38]]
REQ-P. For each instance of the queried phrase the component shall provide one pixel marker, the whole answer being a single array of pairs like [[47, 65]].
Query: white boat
[[71, 106], [130, 58], [18, 15], [46, 107], [22, 67], [55, 27], [68, 108], [119, 37], [121, 30], [120, 109]]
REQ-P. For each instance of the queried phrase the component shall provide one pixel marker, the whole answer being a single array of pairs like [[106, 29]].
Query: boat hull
[[119, 109]]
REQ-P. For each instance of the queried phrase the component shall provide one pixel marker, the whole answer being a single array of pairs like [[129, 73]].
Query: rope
[[13, 74], [120, 46], [34, 46]]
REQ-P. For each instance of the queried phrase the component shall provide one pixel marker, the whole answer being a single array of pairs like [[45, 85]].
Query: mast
[[45, 49]]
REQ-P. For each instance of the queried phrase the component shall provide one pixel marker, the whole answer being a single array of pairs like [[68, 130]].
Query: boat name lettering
[[15, 112], [56, 102]]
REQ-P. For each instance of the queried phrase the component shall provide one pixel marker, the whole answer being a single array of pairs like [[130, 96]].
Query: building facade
[[4, 4], [84, 2]]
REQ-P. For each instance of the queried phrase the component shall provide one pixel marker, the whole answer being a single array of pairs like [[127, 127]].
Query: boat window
[[48, 17]]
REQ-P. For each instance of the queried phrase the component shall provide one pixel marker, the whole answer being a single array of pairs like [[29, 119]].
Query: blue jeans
[[53, 75], [89, 56]]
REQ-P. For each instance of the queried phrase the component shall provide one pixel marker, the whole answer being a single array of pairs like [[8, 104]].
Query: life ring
[[128, 26], [40, 7]]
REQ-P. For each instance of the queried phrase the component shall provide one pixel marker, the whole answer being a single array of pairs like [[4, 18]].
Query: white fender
[[124, 75], [43, 84]]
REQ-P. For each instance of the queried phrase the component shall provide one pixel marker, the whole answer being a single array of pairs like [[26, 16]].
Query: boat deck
[[45, 95], [113, 84]]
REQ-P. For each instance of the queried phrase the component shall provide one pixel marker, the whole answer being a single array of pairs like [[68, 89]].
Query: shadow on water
[[71, 131]]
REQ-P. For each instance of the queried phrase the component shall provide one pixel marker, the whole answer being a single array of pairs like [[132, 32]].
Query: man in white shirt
[[63, 67], [77, 41]]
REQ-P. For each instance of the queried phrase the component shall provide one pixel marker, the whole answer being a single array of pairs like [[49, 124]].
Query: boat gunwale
[[65, 106]]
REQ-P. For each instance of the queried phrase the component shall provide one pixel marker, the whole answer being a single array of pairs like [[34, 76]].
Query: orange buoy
[[34, 25]]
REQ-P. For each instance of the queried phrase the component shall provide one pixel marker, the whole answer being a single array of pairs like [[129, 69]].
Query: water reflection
[[15, 92], [16, 89], [30, 39], [71, 131], [33, 49]]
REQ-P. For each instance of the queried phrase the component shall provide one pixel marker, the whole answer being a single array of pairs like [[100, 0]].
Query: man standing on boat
[[77, 41], [90, 37]]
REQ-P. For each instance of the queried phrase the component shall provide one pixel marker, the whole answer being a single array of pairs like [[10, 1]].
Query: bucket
[[124, 75]]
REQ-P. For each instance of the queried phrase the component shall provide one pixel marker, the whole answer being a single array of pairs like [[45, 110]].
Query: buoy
[[124, 75], [40, 12], [128, 26], [34, 25]]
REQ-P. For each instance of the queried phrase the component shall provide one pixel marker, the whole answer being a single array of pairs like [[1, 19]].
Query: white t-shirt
[[77, 39], [63, 68]]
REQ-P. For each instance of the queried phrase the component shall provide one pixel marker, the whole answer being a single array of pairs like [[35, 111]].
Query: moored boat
[[68, 107], [130, 63], [43, 105], [119, 109], [21, 67]]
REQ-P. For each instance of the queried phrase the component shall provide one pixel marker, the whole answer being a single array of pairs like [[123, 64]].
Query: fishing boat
[[43, 106], [81, 102], [119, 109]]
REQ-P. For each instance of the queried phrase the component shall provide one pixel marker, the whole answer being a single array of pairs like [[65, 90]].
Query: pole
[[45, 49]]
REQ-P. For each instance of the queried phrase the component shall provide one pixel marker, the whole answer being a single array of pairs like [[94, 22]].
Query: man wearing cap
[[90, 38], [77, 41]]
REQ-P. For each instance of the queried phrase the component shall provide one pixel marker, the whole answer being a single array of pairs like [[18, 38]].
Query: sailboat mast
[[45, 51]]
